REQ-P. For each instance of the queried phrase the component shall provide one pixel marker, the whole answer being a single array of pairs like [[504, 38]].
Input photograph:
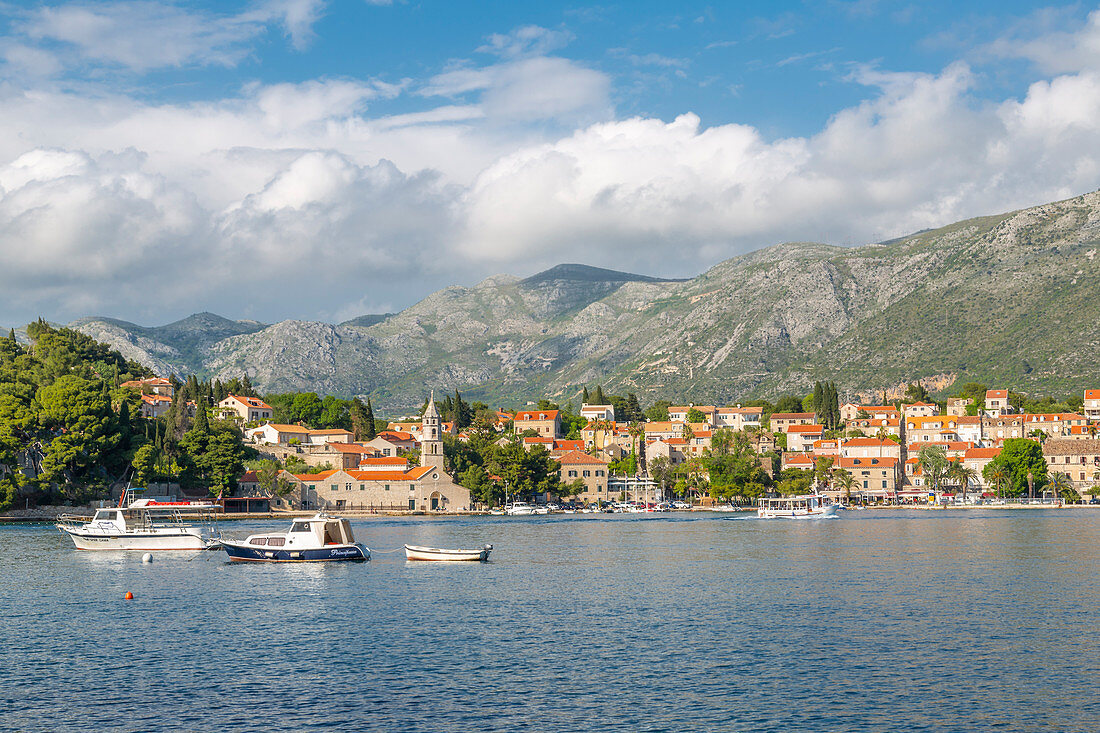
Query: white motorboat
[[319, 538], [519, 509], [806, 506], [414, 552], [144, 525]]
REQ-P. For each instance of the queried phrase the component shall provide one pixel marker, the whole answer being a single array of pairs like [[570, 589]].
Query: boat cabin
[[312, 532]]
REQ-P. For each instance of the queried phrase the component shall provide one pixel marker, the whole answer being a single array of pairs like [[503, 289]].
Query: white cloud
[[529, 40], [141, 209], [140, 35], [1053, 50]]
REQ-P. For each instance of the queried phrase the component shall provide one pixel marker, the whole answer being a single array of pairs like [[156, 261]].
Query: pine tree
[[633, 408], [368, 419], [246, 387]]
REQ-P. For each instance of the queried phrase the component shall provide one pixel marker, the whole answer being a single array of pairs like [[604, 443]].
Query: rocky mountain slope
[[1009, 299]]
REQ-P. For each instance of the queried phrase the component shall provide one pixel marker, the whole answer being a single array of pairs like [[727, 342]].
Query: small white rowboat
[[412, 552]]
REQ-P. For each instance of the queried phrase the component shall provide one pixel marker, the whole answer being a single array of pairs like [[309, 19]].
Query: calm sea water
[[885, 621]]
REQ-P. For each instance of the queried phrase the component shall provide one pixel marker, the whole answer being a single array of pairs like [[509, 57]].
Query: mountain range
[[1010, 299]]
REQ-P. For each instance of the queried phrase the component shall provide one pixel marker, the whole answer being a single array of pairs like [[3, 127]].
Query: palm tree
[[998, 475], [1060, 482], [962, 475], [846, 481], [637, 433]]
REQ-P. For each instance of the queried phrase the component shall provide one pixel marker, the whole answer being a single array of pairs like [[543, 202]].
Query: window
[[362, 487], [300, 527], [412, 503], [599, 472], [884, 483], [347, 486], [572, 474], [412, 487], [386, 487], [586, 474]]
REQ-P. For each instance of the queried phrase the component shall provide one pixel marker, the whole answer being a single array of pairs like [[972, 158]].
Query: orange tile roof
[[996, 394], [1092, 394], [576, 457], [351, 448], [792, 415], [982, 453], [250, 401], [885, 462], [536, 415], [308, 477], [395, 435], [807, 429], [383, 461], [284, 428], [413, 474]]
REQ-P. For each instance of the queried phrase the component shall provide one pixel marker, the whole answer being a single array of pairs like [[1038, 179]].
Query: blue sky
[[391, 148]]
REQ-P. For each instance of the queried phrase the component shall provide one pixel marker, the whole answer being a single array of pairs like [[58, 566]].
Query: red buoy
[[129, 596]]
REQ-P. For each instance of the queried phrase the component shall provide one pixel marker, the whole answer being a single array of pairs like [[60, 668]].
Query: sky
[[314, 160]]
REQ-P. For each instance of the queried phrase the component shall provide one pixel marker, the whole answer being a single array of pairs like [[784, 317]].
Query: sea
[[880, 620]]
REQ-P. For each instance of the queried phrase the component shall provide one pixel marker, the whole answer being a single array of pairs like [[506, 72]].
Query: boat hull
[[240, 552], [175, 540], [412, 552], [816, 513]]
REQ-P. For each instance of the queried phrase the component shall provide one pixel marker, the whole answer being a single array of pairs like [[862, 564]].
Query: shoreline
[[32, 517]]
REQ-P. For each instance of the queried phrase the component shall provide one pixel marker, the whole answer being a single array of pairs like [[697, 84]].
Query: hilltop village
[[971, 448]]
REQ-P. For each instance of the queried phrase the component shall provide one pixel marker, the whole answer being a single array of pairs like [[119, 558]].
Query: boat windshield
[[106, 515], [300, 527]]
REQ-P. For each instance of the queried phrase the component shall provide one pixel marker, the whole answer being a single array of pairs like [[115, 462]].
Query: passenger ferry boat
[[319, 538], [144, 525], [806, 506]]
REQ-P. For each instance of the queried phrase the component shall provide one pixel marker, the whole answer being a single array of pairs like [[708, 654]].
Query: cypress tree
[[633, 408], [600, 399], [202, 422], [584, 396], [372, 432], [246, 387], [819, 399]]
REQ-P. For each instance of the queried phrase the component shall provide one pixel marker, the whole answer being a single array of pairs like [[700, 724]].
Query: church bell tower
[[431, 437]]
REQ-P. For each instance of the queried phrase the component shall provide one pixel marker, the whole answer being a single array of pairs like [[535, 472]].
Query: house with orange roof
[[977, 459], [674, 449], [802, 437], [876, 478], [153, 385], [997, 403], [921, 409], [154, 405], [921, 429], [421, 488], [802, 461], [341, 455], [780, 421], [870, 448], [851, 411], [1082, 432], [245, 409], [393, 442], [871, 425], [546, 423], [1054, 425], [826, 447], [1091, 405], [591, 471], [969, 428]]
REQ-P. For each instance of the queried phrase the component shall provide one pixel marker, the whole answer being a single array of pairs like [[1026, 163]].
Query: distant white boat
[[806, 506], [519, 509], [413, 552]]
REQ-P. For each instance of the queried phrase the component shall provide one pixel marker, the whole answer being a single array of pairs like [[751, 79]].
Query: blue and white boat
[[319, 538]]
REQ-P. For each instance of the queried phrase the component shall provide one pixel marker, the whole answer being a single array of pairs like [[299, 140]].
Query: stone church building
[[383, 487]]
